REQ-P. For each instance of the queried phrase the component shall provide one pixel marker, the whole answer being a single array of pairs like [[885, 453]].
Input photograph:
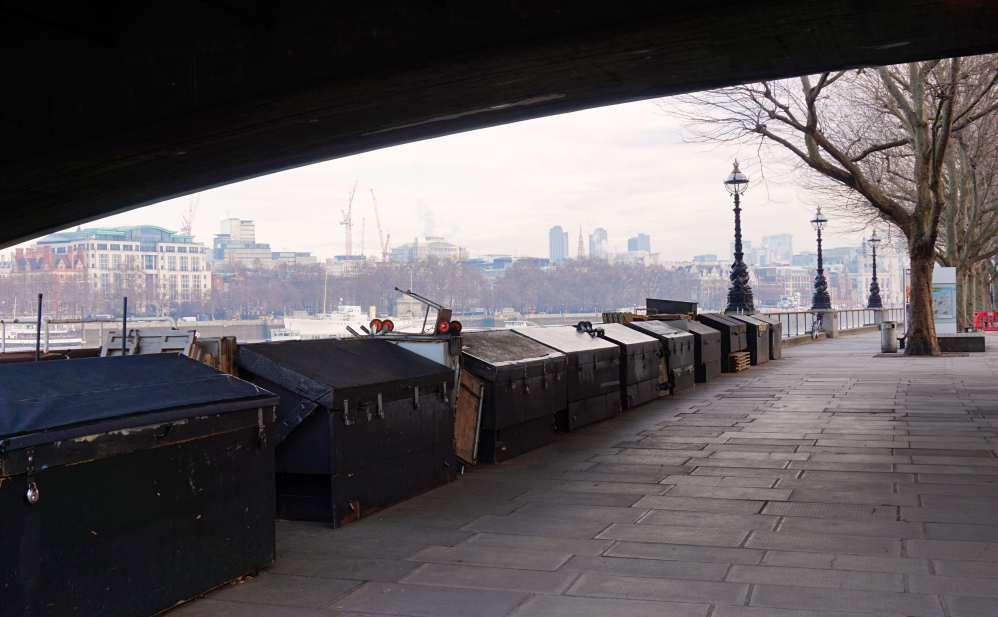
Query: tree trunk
[[964, 291], [921, 337]]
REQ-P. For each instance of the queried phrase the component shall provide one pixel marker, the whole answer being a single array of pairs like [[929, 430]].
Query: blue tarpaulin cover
[[57, 394]]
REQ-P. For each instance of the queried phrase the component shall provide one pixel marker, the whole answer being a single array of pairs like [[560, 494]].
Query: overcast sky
[[499, 190]]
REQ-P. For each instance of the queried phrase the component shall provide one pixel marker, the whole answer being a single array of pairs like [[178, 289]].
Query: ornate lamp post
[[739, 294], [875, 301], [821, 299]]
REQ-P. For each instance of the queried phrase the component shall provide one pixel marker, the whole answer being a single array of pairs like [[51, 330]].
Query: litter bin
[[888, 337]]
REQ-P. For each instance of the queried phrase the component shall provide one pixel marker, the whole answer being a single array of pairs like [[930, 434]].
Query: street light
[[821, 299], [739, 294], [875, 301]]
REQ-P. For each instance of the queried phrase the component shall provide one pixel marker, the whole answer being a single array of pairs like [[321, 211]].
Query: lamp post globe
[[739, 293], [874, 300], [821, 300]]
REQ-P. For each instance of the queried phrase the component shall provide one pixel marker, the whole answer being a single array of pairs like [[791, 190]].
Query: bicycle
[[816, 326]]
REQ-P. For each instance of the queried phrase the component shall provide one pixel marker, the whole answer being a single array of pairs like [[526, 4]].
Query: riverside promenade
[[826, 484]]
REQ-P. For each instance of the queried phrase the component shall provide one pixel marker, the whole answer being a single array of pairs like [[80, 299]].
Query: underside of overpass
[[109, 106]]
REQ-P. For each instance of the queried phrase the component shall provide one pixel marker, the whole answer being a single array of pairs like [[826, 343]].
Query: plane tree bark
[[874, 142]]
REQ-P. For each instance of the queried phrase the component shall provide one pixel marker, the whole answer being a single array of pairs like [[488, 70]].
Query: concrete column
[[878, 316], [831, 324]]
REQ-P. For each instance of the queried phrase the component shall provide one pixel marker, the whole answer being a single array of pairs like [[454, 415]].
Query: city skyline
[[624, 168]]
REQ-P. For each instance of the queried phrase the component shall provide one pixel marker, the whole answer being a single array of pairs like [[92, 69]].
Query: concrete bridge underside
[[109, 106]]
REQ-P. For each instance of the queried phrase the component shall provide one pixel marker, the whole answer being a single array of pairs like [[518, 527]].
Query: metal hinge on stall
[[445, 392], [415, 397], [381, 407], [346, 412]]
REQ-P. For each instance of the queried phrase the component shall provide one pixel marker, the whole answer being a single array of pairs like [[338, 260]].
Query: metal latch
[[415, 397], [346, 412], [381, 407], [261, 430]]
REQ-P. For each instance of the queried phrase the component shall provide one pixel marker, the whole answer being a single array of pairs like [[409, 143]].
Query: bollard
[[888, 337]]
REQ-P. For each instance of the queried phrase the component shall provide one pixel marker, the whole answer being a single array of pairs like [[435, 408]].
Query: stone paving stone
[[474, 555], [218, 608], [581, 513], [876, 528], [769, 441], [337, 566], [686, 553], [853, 497], [948, 549], [966, 606], [949, 478], [954, 460], [729, 492], [952, 585], [827, 466], [745, 472], [831, 510], [857, 476], [947, 515], [751, 611], [710, 519], [970, 503], [805, 577], [977, 470], [620, 500], [429, 601], [613, 487], [699, 504], [700, 592], [756, 456], [674, 535], [647, 568], [476, 577], [567, 606], [722, 481], [280, 589], [977, 569], [861, 563], [535, 543], [935, 488], [963, 533], [528, 526], [825, 543], [875, 602]]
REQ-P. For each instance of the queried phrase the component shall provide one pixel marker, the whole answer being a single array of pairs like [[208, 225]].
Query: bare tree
[[874, 142]]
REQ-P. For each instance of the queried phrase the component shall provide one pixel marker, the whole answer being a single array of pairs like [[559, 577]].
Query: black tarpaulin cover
[[44, 396], [502, 347], [340, 366]]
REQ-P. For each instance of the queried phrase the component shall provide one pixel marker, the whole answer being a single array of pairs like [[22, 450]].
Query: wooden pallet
[[738, 361]]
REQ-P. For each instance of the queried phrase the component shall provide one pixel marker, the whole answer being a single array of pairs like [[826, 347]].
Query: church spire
[[582, 247]]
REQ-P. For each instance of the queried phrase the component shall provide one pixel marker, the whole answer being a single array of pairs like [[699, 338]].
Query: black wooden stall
[[525, 385], [362, 424], [640, 372], [775, 335], [734, 337], [129, 484], [677, 348], [593, 388], [758, 337], [706, 349]]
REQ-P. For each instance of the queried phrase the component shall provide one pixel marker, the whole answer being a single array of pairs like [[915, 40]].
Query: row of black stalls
[[129, 484]]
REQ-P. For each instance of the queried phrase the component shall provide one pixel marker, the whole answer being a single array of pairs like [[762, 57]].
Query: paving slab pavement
[[828, 483]]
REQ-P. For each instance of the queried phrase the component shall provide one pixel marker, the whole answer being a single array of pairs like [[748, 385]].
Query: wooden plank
[[468, 417]]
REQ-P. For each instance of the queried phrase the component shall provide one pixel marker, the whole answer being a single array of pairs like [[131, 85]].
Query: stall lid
[[566, 338], [351, 368], [621, 334], [499, 348], [703, 329], [42, 402], [660, 328]]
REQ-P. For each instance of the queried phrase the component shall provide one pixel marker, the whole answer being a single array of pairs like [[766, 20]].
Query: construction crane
[[188, 220], [348, 222], [383, 241]]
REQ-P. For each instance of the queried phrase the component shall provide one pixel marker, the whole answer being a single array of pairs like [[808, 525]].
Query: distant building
[[599, 244], [558, 245], [492, 267], [237, 244], [422, 248], [636, 258], [640, 243], [163, 264], [709, 258], [291, 257], [779, 248]]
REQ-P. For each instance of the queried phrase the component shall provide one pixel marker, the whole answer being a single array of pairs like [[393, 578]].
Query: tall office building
[[599, 244], [640, 243], [779, 248], [558, 245]]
